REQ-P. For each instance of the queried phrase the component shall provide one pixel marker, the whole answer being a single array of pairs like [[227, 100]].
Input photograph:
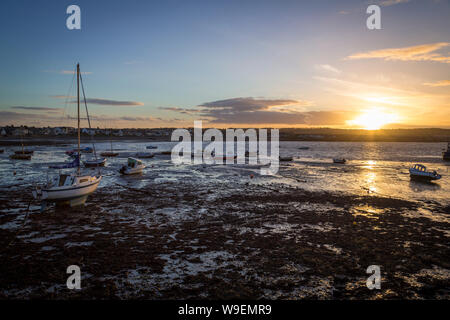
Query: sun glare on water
[[373, 119]]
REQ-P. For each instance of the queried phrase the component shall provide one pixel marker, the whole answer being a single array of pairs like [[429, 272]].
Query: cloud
[[422, 52], [180, 110], [442, 83], [107, 102], [387, 3], [36, 108], [255, 111], [247, 104], [127, 118], [327, 67]]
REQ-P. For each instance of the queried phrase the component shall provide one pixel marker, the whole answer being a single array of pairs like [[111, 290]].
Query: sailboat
[[73, 188], [109, 153], [22, 154]]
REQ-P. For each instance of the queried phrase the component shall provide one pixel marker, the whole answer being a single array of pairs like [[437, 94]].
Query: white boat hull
[[128, 170], [67, 193]]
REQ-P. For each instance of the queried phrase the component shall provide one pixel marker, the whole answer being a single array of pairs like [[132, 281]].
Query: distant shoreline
[[34, 141]]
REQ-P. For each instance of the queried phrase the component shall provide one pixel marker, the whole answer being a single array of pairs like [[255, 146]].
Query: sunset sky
[[228, 63]]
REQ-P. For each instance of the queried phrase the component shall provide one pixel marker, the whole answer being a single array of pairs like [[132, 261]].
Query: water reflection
[[421, 186]]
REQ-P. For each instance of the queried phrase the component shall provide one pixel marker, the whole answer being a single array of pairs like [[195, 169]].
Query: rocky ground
[[223, 239]]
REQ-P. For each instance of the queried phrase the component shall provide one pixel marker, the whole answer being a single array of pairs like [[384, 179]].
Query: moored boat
[[152, 147], [24, 152], [287, 158], [446, 154], [339, 160], [133, 166], [92, 163], [109, 154], [20, 156], [73, 188], [419, 172]]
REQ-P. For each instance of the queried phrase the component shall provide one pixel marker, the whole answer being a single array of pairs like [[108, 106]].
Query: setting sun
[[373, 119]]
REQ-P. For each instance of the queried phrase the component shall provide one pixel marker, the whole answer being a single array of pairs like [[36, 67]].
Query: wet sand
[[224, 238]]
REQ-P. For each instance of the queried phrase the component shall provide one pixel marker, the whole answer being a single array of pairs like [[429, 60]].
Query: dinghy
[[133, 166], [288, 158], [73, 188], [419, 172], [339, 160], [92, 163], [20, 156], [24, 152]]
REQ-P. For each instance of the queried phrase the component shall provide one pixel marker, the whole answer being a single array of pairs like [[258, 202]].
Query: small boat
[[288, 158], [419, 172], [24, 152], [144, 155], [133, 166], [109, 154], [166, 153], [74, 152], [446, 154], [152, 147], [92, 163], [73, 188], [20, 156], [303, 148], [339, 160]]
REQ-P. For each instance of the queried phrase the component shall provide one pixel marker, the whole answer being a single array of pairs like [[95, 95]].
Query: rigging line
[[68, 96], [87, 113]]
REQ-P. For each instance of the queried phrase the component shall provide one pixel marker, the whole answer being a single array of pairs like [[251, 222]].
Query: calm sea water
[[373, 167]]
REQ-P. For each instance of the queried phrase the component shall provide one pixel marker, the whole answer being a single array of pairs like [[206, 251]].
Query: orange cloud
[[422, 52], [441, 83]]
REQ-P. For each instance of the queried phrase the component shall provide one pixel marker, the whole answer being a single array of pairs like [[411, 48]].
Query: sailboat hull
[[61, 194]]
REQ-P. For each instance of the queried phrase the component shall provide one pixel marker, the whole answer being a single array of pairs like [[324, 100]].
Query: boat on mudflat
[[92, 163], [109, 154], [339, 160], [24, 152], [446, 154], [133, 166], [420, 172], [20, 156], [71, 188]]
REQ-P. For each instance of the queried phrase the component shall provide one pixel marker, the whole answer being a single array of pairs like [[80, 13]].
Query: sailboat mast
[[78, 102]]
